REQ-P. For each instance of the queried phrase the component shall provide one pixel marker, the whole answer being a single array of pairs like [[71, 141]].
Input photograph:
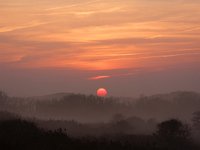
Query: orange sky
[[129, 47], [99, 34]]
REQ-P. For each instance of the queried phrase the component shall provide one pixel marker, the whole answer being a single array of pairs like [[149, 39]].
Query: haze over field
[[94, 109], [130, 47]]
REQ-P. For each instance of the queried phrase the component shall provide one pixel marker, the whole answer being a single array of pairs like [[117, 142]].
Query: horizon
[[107, 96]]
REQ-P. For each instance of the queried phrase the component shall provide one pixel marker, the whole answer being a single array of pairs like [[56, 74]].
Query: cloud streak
[[20, 27], [99, 35], [99, 77], [111, 76]]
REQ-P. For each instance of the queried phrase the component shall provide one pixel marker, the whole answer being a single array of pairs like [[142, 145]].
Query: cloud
[[99, 77], [99, 34], [20, 27], [113, 75], [72, 5]]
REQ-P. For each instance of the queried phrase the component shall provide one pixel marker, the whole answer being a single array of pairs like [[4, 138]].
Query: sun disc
[[102, 92]]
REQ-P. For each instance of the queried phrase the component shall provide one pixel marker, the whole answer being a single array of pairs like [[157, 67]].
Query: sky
[[129, 47]]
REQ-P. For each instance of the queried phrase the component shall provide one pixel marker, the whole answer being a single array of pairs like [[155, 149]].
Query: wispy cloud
[[99, 77], [72, 5], [19, 27], [111, 76], [99, 34]]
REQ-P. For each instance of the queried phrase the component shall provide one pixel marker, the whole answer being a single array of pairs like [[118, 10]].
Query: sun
[[102, 92]]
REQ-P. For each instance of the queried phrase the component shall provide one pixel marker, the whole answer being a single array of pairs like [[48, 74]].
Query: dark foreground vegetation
[[25, 135]]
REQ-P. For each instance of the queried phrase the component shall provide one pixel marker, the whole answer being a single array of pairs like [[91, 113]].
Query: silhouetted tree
[[3, 94], [196, 120], [8, 116], [3, 98], [172, 134], [118, 117]]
